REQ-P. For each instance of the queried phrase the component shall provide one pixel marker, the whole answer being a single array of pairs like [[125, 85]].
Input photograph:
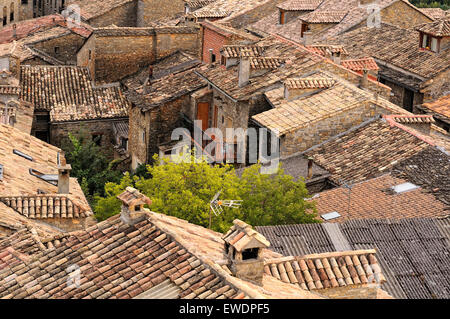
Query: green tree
[[184, 190], [89, 165]]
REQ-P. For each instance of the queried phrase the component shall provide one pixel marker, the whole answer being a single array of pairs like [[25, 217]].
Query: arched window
[[5, 15], [11, 12]]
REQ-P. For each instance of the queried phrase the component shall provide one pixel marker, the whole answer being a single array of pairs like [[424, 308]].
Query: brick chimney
[[133, 203], [244, 71], [365, 79], [244, 247]]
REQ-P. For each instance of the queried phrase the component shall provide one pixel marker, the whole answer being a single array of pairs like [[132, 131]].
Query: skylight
[[330, 216], [28, 157], [49, 178], [405, 187]]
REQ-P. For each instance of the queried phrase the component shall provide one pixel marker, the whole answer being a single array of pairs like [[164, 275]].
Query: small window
[[434, 44], [143, 137], [97, 139], [56, 50], [251, 253], [124, 143], [405, 187], [24, 1], [330, 216], [137, 208], [213, 58], [90, 55], [42, 118], [49, 178], [28, 157]]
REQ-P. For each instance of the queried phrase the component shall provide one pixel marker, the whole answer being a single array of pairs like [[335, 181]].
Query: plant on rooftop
[[443, 4], [184, 190]]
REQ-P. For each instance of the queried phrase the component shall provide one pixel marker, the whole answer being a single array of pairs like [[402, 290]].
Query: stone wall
[[255, 14], [402, 15], [116, 56], [123, 16], [351, 292], [63, 48], [71, 224], [26, 11], [6, 9], [151, 10], [320, 131], [59, 132], [439, 86]]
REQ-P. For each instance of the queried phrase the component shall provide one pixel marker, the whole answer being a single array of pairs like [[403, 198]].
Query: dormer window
[[282, 17], [429, 42]]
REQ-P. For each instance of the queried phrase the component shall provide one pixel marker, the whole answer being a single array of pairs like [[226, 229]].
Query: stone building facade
[[109, 47]]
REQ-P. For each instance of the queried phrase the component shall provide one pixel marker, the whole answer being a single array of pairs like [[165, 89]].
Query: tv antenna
[[216, 206]]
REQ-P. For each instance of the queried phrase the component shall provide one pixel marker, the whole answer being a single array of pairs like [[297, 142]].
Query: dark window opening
[[408, 100], [124, 143], [251, 253], [137, 208], [42, 135], [56, 50], [97, 139], [90, 55], [24, 1], [213, 58], [43, 118], [28, 157]]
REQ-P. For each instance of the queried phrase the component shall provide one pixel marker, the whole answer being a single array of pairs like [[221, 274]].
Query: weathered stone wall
[[402, 15], [123, 16], [115, 56], [26, 11], [59, 132], [70, 224], [151, 10], [317, 27], [62, 48], [255, 14], [398, 94], [439, 86], [351, 292], [319, 131]]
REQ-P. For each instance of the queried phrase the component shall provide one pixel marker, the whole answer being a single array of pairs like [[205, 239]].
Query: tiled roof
[[413, 253], [435, 13], [327, 270], [118, 260], [396, 46], [327, 49], [309, 83], [91, 9], [440, 107], [439, 28], [367, 63], [411, 119], [68, 93], [133, 197], [17, 180], [226, 29], [226, 8], [236, 51], [266, 62], [197, 4], [41, 26], [47, 206], [429, 169], [324, 16], [9, 90], [210, 13], [300, 5], [365, 151], [374, 198], [292, 114]]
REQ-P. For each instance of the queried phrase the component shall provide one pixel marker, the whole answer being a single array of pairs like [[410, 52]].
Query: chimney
[[133, 202], [244, 247], [310, 167], [14, 31], [336, 57], [307, 37], [365, 79], [244, 71], [64, 178]]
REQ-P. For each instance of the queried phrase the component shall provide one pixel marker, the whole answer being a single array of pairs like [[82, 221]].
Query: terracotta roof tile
[[300, 5], [324, 16], [435, 13], [367, 63], [265, 62], [236, 51], [309, 83], [68, 93], [440, 107], [327, 49], [327, 270]]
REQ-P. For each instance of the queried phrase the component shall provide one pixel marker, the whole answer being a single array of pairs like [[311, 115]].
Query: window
[[56, 50], [124, 143], [24, 1], [251, 253], [28, 157], [5, 15], [11, 12], [282, 17], [137, 208], [429, 42], [434, 44], [330, 216], [42, 118], [49, 178], [90, 55], [213, 58], [97, 138]]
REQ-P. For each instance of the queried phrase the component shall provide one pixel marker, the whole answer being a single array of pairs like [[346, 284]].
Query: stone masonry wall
[[150, 10], [62, 48], [70, 224], [320, 131], [123, 16], [59, 132]]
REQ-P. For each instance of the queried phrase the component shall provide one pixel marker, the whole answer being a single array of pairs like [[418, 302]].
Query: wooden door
[[203, 114]]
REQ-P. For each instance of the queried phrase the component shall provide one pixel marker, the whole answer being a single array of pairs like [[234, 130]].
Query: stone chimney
[[336, 57], [64, 178], [244, 71], [244, 247], [307, 38], [365, 79], [133, 203]]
